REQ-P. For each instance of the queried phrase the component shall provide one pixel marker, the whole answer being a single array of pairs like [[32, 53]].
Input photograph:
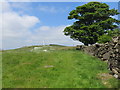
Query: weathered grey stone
[[115, 39], [119, 42], [117, 50], [117, 46], [106, 56]]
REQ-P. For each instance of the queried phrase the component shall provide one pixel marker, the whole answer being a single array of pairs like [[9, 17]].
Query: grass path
[[54, 69]]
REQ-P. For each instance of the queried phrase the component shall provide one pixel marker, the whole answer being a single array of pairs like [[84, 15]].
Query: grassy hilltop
[[53, 67]]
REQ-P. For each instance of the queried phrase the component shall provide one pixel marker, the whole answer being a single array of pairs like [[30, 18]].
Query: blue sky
[[51, 12], [31, 23]]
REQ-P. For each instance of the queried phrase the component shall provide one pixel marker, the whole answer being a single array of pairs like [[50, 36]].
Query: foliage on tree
[[108, 36], [115, 32], [92, 20], [104, 38]]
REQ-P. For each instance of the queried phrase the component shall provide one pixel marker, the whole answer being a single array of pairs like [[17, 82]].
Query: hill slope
[[57, 67]]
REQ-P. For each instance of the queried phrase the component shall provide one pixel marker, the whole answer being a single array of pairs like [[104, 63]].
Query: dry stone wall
[[107, 52]]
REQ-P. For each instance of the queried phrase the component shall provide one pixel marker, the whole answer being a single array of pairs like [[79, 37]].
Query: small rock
[[36, 48], [116, 76], [106, 56], [48, 66], [45, 50]]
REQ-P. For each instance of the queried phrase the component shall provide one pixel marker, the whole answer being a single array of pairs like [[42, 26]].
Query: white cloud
[[51, 35], [44, 28], [0, 31], [17, 31], [15, 25], [5, 7]]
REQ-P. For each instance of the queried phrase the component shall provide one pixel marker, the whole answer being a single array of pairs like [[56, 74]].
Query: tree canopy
[[92, 20]]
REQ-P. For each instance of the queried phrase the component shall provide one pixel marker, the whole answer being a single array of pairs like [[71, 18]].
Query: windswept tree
[[92, 20]]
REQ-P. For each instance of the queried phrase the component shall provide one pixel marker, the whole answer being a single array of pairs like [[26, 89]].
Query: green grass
[[0, 70], [61, 68]]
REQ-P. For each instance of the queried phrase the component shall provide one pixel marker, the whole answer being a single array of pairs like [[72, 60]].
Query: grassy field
[[0, 70], [58, 67]]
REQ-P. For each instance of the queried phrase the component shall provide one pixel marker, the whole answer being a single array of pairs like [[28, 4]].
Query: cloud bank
[[17, 30]]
